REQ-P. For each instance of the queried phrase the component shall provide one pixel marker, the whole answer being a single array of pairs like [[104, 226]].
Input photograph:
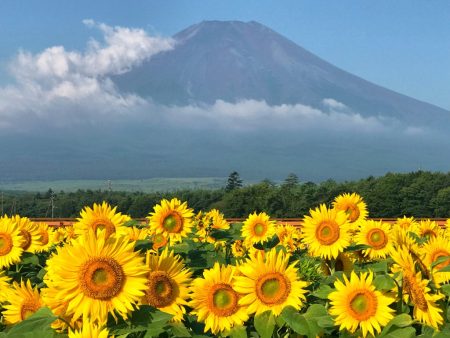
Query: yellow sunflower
[[326, 232], [353, 205], [171, 218], [96, 276], [89, 330], [45, 233], [215, 301], [159, 241], [377, 235], [406, 222], [136, 234], [404, 237], [101, 216], [4, 287], [427, 229], [344, 262], [289, 237], [11, 243], [357, 304], [268, 282], [239, 249], [213, 219], [29, 232], [425, 310], [69, 233], [403, 260], [57, 236], [23, 302], [258, 228], [434, 249], [167, 283]]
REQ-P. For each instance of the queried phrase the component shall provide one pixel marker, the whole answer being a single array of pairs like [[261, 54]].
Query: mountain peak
[[235, 60]]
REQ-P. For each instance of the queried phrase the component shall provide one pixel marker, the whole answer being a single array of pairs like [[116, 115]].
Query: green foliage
[[421, 193]]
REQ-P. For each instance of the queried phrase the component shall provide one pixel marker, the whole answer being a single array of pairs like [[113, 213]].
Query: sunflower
[[11, 243], [101, 216], [403, 260], [268, 282], [45, 233], [29, 232], [89, 330], [136, 234], [4, 287], [425, 310], [239, 249], [434, 249], [96, 275], [344, 262], [57, 236], [404, 237], [171, 218], [289, 237], [353, 205], [24, 301], [406, 222], [215, 301], [69, 233], [427, 229], [326, 232], [159, 241], [258, 228], [377, 235], [357, 304], [212, 220], [167, 283]]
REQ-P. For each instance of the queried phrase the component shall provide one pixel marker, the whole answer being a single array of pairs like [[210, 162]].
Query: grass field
[[144, 185]]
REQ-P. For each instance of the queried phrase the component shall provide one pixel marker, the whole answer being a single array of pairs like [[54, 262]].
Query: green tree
[[234, 181]]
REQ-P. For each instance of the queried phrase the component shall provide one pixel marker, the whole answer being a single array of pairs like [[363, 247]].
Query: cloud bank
[[62, 88]]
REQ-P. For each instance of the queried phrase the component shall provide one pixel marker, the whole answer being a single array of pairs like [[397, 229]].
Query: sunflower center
[[415, 291], [273, 288], [352, 212], [101, 278], [26, 239], [327, 232], [162, 290], [6, 244], [222, 300], [377, 239], [260, 229], [104, 224], [173, 223], [438, 254], [363, 304], [28, 308], [44, 237], [429, 233]]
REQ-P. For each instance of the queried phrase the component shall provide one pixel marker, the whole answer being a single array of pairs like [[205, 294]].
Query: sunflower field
[[183, 274]]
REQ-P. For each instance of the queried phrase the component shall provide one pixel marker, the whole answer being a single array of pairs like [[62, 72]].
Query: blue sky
[[403, 45]]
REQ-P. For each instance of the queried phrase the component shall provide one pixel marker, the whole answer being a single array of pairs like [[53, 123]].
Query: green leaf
[[322, 291], [37, 325], [179, 330], [238, 332], [358, 247], [384, 282], [400, 321], [265, 324], [445, 289], [28, 258], [407, 332], [381, 266], [295, 320]]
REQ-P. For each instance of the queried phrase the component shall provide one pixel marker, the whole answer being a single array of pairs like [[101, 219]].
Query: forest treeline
[[418, 194]]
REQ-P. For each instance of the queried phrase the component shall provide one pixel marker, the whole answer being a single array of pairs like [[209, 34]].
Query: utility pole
[[2, 205], [52, 197], [109, 185]]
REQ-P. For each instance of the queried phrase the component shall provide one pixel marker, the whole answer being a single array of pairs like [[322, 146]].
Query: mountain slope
[[233, 60]]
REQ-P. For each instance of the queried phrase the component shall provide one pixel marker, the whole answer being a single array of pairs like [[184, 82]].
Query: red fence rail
[[293, 221]]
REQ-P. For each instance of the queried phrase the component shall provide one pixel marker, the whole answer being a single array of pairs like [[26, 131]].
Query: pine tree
[[234, 181]]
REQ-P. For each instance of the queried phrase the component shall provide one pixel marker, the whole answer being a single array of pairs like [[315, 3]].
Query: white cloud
[[333, 104], [64, 86]]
